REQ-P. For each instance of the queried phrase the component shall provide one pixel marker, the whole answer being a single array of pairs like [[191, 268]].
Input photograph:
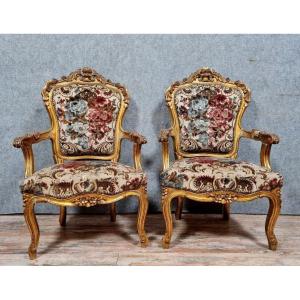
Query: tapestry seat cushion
[[80, 177], [204, 174]]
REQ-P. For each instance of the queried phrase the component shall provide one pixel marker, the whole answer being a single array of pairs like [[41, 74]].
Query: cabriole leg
[[166, 208], [32, 224], [113, 212], [179, 207], [143, 208], [62, 215], [273, 213]]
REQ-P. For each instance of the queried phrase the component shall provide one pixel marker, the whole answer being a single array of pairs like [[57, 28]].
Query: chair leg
[[143, 208], [62, 215], [226, 211], [273, 214], [179, 207], [32, 224], [166, 208], [113, 212]]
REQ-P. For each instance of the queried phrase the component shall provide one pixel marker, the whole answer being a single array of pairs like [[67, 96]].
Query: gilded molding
[[83, 75], [88, 201], [225, 198], [207, 75]]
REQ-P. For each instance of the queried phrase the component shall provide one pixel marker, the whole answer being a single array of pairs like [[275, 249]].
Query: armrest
[[25, 143], [164, 135], [163, 138], [31, 138], [262, 136], [134, 137], [138, 141], [267, 140]]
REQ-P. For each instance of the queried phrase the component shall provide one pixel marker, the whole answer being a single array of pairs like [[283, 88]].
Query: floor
[[197, 240]]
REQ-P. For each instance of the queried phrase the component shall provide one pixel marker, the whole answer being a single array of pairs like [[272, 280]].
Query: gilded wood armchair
[[206, 111], [86, 113]]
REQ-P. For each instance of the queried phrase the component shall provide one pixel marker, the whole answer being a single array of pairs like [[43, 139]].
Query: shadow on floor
[[79, 228]]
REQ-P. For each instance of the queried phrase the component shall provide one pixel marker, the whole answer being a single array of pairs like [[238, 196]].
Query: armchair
[[86, 112], [206, 111]]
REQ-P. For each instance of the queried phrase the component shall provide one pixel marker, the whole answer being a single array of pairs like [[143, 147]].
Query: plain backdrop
[[147, 65]]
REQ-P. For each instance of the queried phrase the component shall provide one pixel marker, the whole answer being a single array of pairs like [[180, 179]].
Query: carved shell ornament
[[223, 198], [87, 75]]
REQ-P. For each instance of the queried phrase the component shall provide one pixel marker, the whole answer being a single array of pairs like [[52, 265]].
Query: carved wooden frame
[[209, 76], [84, 76]]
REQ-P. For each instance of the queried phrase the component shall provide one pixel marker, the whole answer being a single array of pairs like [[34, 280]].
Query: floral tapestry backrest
[[207, 109], [85, 113], [87, 117]]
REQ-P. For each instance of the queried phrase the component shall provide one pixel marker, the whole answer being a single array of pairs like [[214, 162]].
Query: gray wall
[[147, 65]]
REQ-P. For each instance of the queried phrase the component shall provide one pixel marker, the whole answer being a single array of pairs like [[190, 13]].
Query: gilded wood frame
[[209, 76], [84, 76]]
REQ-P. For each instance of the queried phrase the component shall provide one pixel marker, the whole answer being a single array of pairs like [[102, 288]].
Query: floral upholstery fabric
[[87, 118], [207, 116], [80, 177], [203, 174]]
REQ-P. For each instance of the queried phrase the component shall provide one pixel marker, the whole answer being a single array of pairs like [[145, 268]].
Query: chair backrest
[[206, 111], [86, 112]]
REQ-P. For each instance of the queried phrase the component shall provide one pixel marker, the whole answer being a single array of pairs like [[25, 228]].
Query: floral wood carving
[[223, 198], [86, 75], [206, 75], [88, 202]]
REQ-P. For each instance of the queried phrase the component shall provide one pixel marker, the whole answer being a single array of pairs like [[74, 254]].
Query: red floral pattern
[[207, 116], [87, 117]]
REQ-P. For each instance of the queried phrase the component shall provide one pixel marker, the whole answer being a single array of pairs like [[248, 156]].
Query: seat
[[83, 177], [206, 112], [86, 113], [206, 174]]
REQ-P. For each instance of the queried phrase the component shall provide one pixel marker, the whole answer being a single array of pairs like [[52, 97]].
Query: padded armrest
[[264, 137], [29, 139], [135, 137]]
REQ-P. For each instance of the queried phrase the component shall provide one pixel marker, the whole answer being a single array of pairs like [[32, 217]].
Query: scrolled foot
[[32, 252], [166, 242], [144, 242], [272, 243]]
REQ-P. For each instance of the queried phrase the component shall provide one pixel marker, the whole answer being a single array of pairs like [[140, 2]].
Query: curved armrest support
[[25, 143], [164, 136], [138, 141], [267, 140]]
